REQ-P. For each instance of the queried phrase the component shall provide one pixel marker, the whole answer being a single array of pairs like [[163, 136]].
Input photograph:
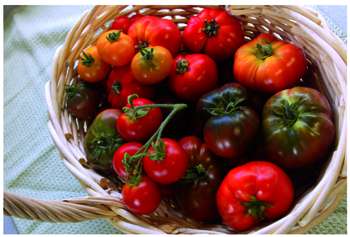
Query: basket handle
[[69, 210]]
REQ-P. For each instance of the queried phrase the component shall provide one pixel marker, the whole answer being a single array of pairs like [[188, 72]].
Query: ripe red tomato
[[193, 75], [141, 125], [214, 32], [252, 192], [143, 198], [123, 22], [121, 83], [115, 48], [151, 65], [91, 68], [269, 65], [130, 148], [154, 31], [169, 168]]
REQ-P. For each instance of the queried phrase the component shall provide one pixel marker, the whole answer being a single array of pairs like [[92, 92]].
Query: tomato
[[268, 64], [130, 148], [170, 166], [139, 126], [151, 65], [298, 127], [214, 32], [91, 68], [253, 192], [121, 83], [193, 75], [82, 100], [115, 48], [101, 140], [203, 177], [123, 22], [143, 198], [154, 31], [231, 124]]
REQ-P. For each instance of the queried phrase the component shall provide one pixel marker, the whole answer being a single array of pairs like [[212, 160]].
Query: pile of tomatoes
[[202, 116]]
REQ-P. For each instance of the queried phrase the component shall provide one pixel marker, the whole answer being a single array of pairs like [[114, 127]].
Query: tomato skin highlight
[[142, 128], [298, 127], [281, 67], [130, 148], [115, 48], [121, 83], [171, 168], [91, 68], [154, 69], [142, 199], [192, 76], [155, 31], [252, 192], [215, 33]]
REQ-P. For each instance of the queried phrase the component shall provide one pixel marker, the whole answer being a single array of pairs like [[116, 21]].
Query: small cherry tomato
[[143, 198], [253, 192], [130, 148], [165, 163], [91, 68], [193, 75], [123, 22], [139, 125], [155, 31], [214, 32], [151, 65], [121, 83], [115, 48]]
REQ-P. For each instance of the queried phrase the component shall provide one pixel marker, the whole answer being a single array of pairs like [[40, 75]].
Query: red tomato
[[151, 65], [214, 32], [171, 167], [91, 68], [144, 198], [154, 31], [252, 192], [193, 75], [130, 148], [115, 48], [269, 65], [139, 126], [121, 83], [123, 22]]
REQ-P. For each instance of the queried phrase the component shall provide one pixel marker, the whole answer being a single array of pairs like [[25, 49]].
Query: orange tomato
[[91, 68], [116, 48], [151, 65]]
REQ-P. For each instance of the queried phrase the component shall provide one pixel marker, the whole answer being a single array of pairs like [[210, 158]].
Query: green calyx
[[256, 208], [104, 144], [288, 112], [195, 173], [182, 66], [147, 53], [86, 59], [142, 45], [226, 107], [116, 87], [159, 150], [73, 90], [210, 28], [113, 36], [133, 112], [263, 51]]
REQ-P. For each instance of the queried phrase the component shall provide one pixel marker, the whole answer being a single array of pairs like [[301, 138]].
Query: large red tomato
[[214, 32], [167, 163], [124, 22], [154, 31], [252, 192], [193, 75], [121, 83], [268, 64]]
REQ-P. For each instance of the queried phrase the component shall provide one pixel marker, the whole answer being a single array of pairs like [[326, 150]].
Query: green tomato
[[102, 140], [297, 126]]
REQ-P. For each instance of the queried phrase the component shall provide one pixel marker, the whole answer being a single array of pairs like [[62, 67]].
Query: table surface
[[19, 22]]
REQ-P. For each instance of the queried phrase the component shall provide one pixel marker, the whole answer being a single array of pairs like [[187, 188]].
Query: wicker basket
[[326, 55]]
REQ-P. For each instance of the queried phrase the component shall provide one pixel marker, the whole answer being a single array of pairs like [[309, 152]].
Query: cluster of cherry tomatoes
[[142, 57]]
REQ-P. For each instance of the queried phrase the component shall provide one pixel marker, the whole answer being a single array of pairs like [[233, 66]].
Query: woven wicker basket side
[[326, 54]]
